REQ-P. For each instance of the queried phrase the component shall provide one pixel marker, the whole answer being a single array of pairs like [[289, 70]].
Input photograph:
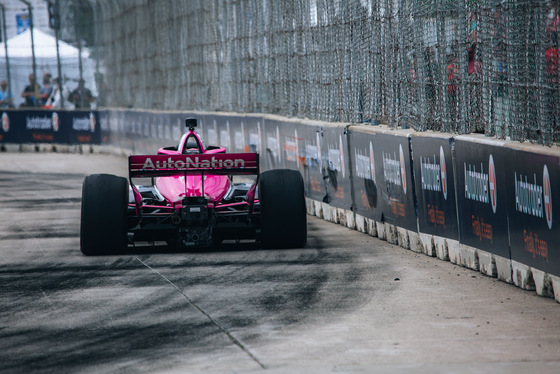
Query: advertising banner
[[35, 126], [435, 186], [366, 187], [85, 126], [383, 186], [482, 196], [313, 169], [532, 180], [336, 167]]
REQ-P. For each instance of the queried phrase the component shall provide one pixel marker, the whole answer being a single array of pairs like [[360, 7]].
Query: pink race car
[[192, 201]]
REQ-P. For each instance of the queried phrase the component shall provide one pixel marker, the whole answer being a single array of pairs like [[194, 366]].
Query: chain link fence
[[458, 66]]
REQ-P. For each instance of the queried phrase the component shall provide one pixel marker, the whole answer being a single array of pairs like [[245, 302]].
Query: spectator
[[475, 67], [31, 93], [452, 85], [59, 96], [6, 99], [46, 90], [553, 17], [81, 97]]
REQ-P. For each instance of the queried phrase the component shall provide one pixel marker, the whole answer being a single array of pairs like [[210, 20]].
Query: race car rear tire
[[103, 227], [282, 206]]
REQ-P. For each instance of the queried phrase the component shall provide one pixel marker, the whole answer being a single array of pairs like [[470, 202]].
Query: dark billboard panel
[[313, 169], [85, 127], [435, 186], [284, 144], [482, 195], [366, 187], [382, 173], [336, 167], [532, 180], [36, 126]]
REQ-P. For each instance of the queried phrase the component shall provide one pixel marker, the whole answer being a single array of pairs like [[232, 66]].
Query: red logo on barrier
[[55, 121], [547, 192], [443, 172], [5, 122], [403, 168], [492, 182], [92, 122]]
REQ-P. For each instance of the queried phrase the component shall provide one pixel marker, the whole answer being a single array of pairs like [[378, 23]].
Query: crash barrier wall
[[478, 202]]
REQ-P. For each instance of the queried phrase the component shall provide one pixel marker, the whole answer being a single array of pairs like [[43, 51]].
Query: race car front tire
[[282, 206], [103, 227]]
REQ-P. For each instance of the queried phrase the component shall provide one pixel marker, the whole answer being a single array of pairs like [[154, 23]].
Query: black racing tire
[[104, 224], [282, 207]]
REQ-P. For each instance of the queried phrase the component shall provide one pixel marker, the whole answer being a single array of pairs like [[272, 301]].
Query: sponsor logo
[[430, 174], [312, 156], [39, 123], [392, 169], [83, 124], [5, 122], [192, 163], [492, 182], [433, 174], [365, 166], [534, 199], [291, 148], [55, 121], [476, 183], [335, 157], [481, 186]]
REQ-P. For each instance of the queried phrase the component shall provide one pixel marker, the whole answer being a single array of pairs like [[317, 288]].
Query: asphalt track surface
[[347, 303]]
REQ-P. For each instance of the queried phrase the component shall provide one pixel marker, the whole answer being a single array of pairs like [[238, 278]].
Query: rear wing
[[142, 166]]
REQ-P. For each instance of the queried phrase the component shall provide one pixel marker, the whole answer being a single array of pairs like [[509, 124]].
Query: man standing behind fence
[[31, 93], [81, 97]]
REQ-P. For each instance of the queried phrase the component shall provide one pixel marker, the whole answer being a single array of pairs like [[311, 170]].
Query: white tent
[[21, 62]]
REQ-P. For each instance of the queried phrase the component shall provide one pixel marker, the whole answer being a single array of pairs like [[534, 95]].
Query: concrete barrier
[[428, 193]]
